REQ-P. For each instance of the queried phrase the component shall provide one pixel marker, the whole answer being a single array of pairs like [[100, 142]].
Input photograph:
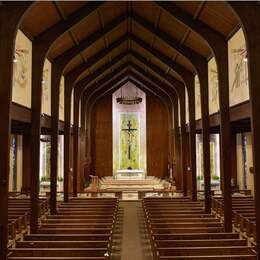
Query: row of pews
[[243, 213], [82, 229], [179, 229], [19, 214]]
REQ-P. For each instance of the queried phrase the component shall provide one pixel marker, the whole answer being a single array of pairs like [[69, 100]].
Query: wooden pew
[[243, 212], [19, 213], [82, 229], [193, 235]]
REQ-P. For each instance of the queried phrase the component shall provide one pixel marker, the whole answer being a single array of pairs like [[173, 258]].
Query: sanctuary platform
[[130, 184]]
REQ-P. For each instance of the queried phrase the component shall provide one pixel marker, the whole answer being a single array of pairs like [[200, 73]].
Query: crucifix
[[129, 130]]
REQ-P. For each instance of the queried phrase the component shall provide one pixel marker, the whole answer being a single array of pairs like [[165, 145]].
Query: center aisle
[[135, 243]]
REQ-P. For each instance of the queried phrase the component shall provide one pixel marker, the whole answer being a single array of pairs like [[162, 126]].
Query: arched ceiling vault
[[150, 36]]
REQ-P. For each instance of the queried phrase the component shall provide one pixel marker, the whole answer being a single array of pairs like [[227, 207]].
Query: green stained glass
[[129, 141]]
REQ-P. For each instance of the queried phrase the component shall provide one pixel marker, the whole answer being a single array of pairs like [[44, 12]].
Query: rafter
[[186, 52], [52, 33], [68, 55], [131, 75], [114, 79], [172, 81], [179, 69], [82, 83], [108, 78], [76, 72], [210, 35], [150, 83]]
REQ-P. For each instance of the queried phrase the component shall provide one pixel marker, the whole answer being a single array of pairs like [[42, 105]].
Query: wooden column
[[183, 143], [222, 64], [56, 73], [76, 143], [233, 159], [83, 155], [38, 57], [218, 45], [67, 122], [192, 140], [26, 185], [177, 148], [203, 77], [10, 17]]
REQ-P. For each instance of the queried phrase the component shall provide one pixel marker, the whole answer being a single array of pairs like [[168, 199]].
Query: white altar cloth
[[137, 174]]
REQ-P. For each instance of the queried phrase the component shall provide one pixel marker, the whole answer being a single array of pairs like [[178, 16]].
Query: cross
[[129, 130]]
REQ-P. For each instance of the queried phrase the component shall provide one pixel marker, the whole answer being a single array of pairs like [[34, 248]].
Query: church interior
[[129, 130]]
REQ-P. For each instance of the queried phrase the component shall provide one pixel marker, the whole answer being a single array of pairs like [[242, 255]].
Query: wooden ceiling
[[133, 28]]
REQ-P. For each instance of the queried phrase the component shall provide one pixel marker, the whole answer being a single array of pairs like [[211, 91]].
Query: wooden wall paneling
[[102, 137], [157, 155]]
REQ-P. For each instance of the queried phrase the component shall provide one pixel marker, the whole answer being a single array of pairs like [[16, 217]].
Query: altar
[[137, 174]]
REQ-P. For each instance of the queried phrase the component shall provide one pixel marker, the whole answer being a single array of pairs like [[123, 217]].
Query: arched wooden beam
[[114, 78], [79, 88], [218, 45], [40, 47], [188, 79], [84, 172], [58, 66], [249, 15], [11, 15], [180, 88], [200, 65]]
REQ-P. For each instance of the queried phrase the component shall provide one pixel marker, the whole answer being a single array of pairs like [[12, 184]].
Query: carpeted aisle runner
[[131, 240]]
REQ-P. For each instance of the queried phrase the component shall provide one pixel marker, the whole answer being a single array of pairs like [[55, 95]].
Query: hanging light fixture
[[129, 100]]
